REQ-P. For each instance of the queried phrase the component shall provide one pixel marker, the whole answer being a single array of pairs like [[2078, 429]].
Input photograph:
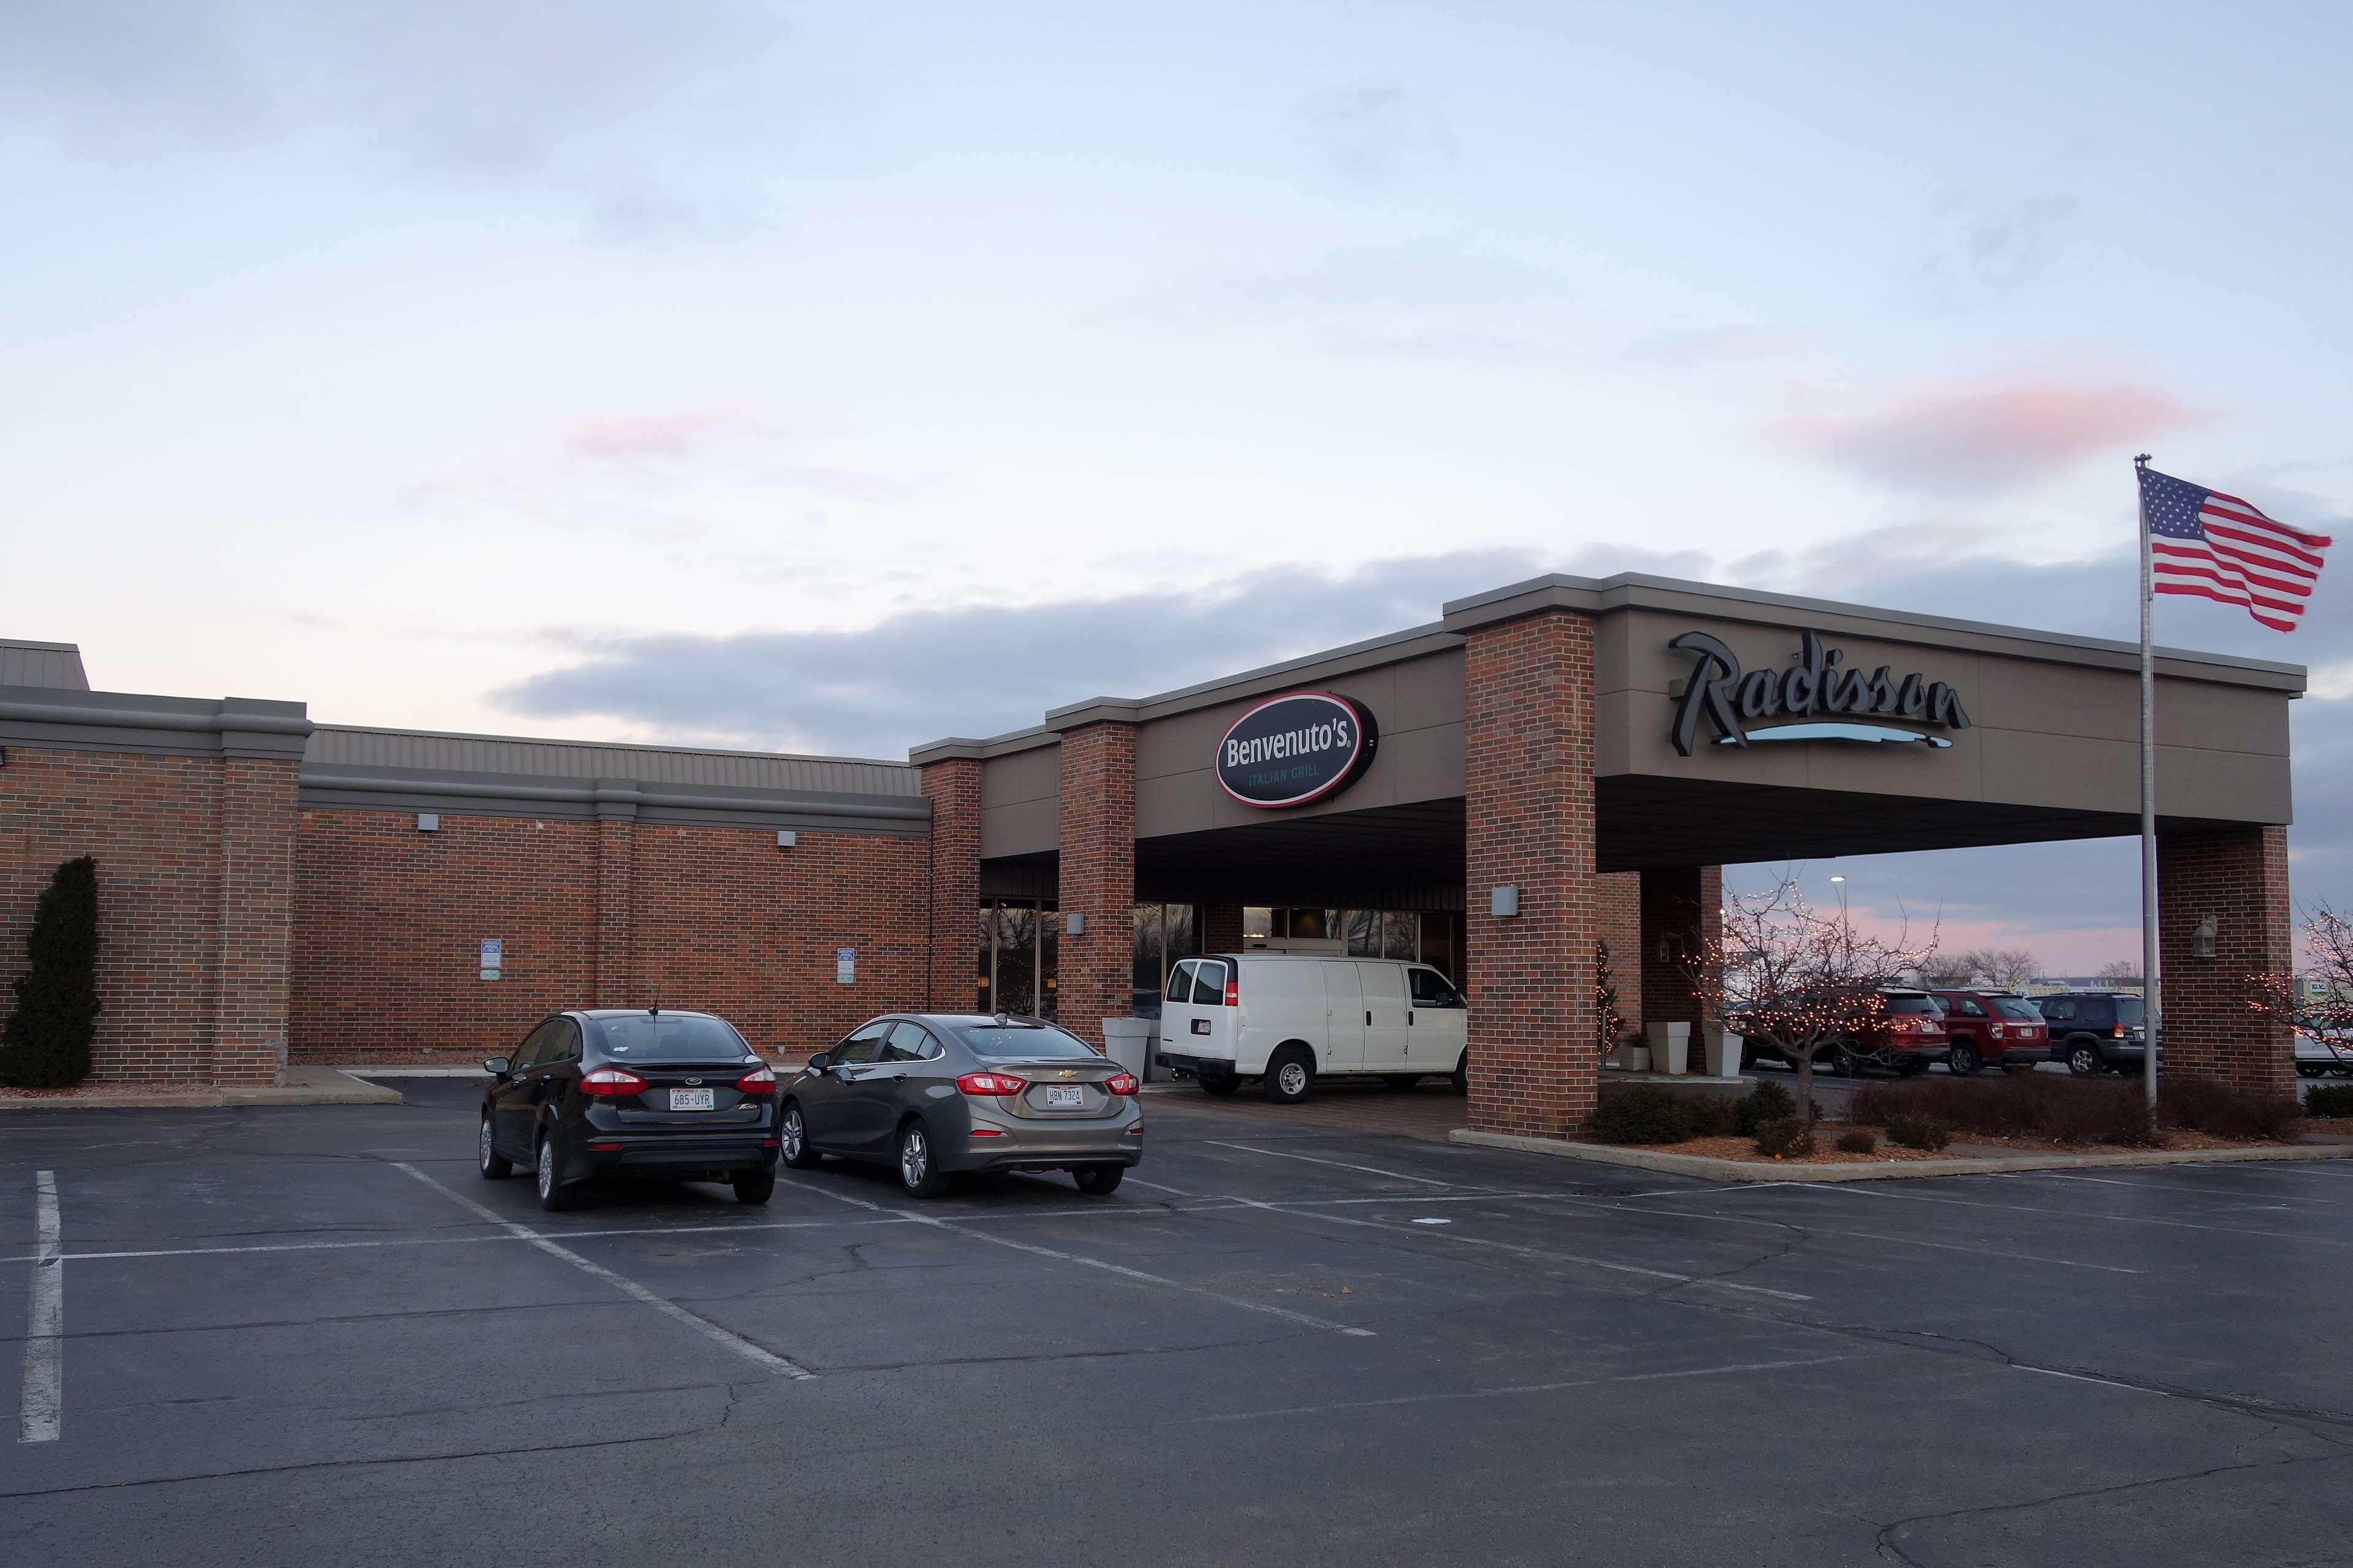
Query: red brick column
[[1098, 876], [1683, 907], [1528, 748], [616, 872], [952, 786], [257, 901], [1221, 927], [2239, 876], [1618, 897]]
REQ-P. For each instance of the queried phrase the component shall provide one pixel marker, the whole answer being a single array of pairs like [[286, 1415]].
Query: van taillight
[[1234, 989]]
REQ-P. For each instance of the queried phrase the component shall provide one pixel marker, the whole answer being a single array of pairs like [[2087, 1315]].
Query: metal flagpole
[[2150, 1011]]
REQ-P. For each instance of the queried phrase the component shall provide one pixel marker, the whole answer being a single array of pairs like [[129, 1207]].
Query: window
[[2016, 1007], [1209, 983], [1400, 934], [1431, 989], [1016, 957], [534, 1046], [670, 1037], [1024, 1040], [1966, 1006], [863, 1046], [1181, 981], [1364, 927], [2129, 1011], [908, 1043], [1914, 1003], [1257, 922], [2061, 1008]]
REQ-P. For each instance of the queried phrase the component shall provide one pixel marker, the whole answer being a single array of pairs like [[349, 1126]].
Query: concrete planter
[[1671, 1048], [1723, 1053], [1634, 1059]]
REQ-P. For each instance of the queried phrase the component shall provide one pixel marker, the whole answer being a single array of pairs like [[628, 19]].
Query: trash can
[[1129, 1042]]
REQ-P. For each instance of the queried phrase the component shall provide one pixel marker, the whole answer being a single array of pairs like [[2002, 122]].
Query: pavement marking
[[1520, 1390], [1879, 1236], [1526, 1251], [630, 1288], [2211, 1195], [2087, 1214], [1120, 1269], [2079, 1377], [448, 1240], [1342, 1164], [42, 1409]]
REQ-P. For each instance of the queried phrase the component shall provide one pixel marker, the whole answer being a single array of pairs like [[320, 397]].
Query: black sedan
[[640, 1091], [933, 1094]]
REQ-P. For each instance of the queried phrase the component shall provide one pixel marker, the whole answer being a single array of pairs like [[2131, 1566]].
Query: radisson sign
[[1814, 700], [1290, 750]]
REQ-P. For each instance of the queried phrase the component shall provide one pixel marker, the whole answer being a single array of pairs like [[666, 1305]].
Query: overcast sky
[[834, 377]]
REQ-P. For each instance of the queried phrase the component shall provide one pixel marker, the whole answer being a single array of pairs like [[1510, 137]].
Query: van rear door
[[1210, 1027], [1344, 1013]]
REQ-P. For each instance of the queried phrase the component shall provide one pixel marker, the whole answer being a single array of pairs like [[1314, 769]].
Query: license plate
[[690, 1100], [1055, 1096]]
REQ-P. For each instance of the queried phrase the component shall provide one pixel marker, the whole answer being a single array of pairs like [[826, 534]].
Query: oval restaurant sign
[[1297, 748]]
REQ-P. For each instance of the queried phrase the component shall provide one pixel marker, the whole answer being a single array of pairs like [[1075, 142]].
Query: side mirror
[[820, 1062], [495, 1065]]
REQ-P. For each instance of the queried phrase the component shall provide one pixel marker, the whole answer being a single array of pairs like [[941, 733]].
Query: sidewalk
[[302, 1086]]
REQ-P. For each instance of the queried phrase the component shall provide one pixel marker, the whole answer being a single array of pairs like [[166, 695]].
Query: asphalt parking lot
[[317, 1336]]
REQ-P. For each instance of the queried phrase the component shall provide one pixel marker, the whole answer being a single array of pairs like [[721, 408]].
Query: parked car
[[1289, 1019], [1907, 1037], [1992, 1028], [2319, 1052], [2097, 1031], [637, 1091], [936, 1094]]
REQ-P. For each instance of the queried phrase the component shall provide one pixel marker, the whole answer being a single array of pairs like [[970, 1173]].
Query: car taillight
[[1233, 990], [1134, 1129], [1121, 1083], [2116, 1031], [991, 1083], [612, 1083], [759, 1081]]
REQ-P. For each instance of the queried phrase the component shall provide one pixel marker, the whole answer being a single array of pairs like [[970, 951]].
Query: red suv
[[1906, 1035], [1992, 1028]]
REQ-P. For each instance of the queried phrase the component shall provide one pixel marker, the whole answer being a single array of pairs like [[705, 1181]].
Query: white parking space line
[[1339, 1165], [1873, 1235], [1856, 1190], [630, 1288], [1122, 1270], [41, 1411], [452, 1240], [1525, 1251], [2211, 1195]]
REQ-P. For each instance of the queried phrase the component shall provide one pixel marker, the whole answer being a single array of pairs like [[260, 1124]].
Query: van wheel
[[1401, 1079], [1218, 1085], [1290, 1076], [1460, 1076]]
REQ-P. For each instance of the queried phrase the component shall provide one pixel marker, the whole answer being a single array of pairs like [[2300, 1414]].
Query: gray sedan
[[934, 1094]]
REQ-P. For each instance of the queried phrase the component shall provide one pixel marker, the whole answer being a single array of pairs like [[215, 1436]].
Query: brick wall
[[168, 833], [1528, 743], [2240, 877], [1221, 927], [388, 923], [952, 786], [1684, 905], [1618, 899], [1098, 877]]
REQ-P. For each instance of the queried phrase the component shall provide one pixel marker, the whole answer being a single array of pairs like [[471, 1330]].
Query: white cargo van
[[1288, 1018]]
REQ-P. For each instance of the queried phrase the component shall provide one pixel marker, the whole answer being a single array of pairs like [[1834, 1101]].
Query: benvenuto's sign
[[1297, 748], [1813, 699]]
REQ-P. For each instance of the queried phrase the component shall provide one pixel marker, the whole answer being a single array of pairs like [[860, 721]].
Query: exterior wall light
[[2202, 945], [428, 822], [787, 838], [1504, 903], [1074, 924]]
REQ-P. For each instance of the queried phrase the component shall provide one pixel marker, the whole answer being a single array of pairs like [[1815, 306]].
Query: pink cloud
[[1978, 438], [644, 437]]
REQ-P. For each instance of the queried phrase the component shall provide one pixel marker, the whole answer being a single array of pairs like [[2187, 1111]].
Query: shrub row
[[2329, 1099], [1652, 1113], [2064, 1111]]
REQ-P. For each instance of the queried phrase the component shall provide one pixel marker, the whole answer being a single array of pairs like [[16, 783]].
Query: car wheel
[[496, 1167], [554, 1196], [1218, 1085], [754, 1186], [1290, 1076], [919, 1167], [792, 1138], [1401, 1079], [1962, 1058], [1462, 1073], [1098, 1181], [2084, 1059], [1844, 1063]]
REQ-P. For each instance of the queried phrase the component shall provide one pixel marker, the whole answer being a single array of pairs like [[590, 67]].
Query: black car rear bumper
[[673, 1154]]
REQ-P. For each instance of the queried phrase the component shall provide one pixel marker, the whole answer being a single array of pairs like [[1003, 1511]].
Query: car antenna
[[1004, 1020], [654, 1011]]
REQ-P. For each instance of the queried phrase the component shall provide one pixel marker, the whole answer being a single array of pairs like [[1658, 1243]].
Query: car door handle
[[1408, 1016]]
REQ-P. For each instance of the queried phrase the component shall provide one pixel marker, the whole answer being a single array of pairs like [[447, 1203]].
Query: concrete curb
[[1708, 1169], [306, 1086]]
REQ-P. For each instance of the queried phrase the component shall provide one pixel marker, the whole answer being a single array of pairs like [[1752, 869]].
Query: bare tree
[[2006, 968], [2284, 999], [1949, 969], [2120, 972], [1797, 981]]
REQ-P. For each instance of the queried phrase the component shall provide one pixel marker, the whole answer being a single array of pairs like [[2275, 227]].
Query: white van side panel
[[1282, 1000]]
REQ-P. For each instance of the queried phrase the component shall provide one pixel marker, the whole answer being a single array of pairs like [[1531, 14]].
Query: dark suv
[[2097, 1031]]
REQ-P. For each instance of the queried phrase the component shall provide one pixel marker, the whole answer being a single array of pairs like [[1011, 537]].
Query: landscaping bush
[[1642, 1114], [1856, 1141], [2329, 1099], [46, 1042], [1919, 1132], [2225, 1110], [1714, 1116], [1766, 1102], [2024, 1105], [2113, 1113], [1786, 1139]]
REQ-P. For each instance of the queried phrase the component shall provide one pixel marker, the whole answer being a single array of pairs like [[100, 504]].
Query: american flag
[[2202, 541]]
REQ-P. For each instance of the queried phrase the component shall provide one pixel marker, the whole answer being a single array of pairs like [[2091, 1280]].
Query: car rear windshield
[[2128, 1010], [1914, 1005], [669, 1037], [1023, 1040], [2016, 1007]]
